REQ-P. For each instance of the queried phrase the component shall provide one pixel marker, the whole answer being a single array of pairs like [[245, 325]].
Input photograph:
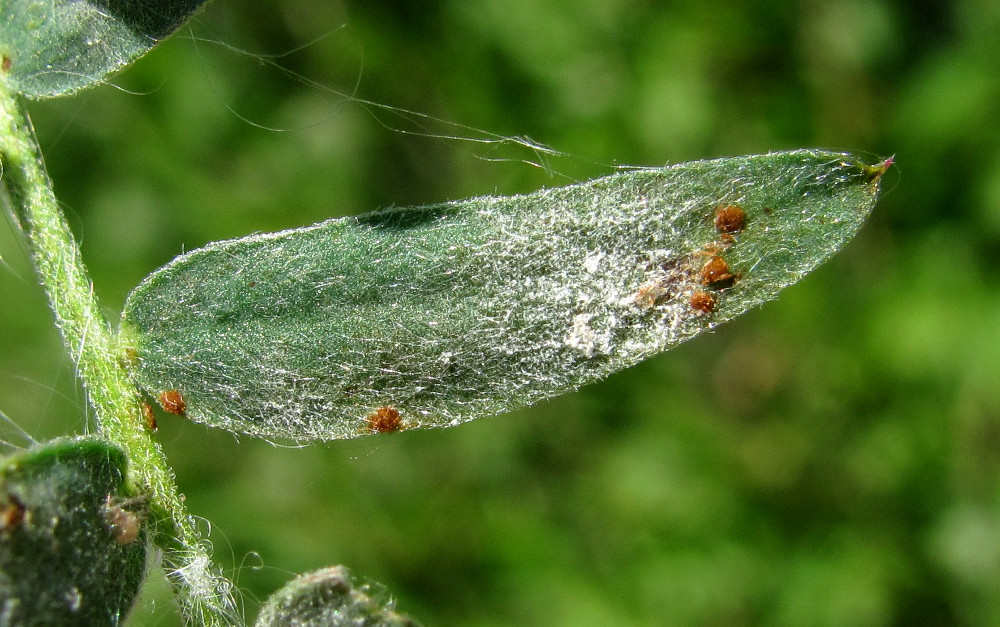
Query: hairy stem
[[204, 594]]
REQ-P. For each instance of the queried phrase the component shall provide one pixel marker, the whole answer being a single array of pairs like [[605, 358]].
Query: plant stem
[[204, 594]]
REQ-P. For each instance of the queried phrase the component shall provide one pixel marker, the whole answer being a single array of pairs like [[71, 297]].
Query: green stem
[[92, 344]]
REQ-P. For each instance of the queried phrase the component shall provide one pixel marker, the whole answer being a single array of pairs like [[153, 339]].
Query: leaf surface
[[56, 47], [433, 316]]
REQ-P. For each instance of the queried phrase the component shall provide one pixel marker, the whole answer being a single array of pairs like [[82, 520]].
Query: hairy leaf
[[326, 598], [55, 47], [72, 545], [433, 316]]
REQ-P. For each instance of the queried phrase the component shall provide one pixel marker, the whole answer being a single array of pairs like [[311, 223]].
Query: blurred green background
[[832, 458]]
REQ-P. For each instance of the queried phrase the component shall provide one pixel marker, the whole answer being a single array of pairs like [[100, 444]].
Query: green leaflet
[[326, 598], [433, 316], [72, 542], [55, 47]]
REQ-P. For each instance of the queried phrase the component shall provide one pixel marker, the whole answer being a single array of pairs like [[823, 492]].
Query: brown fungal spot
[[650, 294], [6, 64], [11, 514], [384, 420], [124, 525], [672, 266], [664, 284], [703, 302], [172, 402], [730, 219], [715, 273], [149, 417]]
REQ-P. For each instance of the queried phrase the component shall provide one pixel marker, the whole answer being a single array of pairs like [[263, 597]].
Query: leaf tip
[[875, 172]]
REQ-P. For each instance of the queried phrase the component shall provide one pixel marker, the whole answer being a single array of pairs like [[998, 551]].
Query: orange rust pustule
[[384, 420], [149, 417], [11, 514], [172, 402], [6, 64], [703, 302], [730, 219], [715, 273]]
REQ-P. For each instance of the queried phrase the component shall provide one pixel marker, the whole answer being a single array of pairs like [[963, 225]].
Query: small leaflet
[[59, 47], [72, 538], [451, 312], [327, 598]]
